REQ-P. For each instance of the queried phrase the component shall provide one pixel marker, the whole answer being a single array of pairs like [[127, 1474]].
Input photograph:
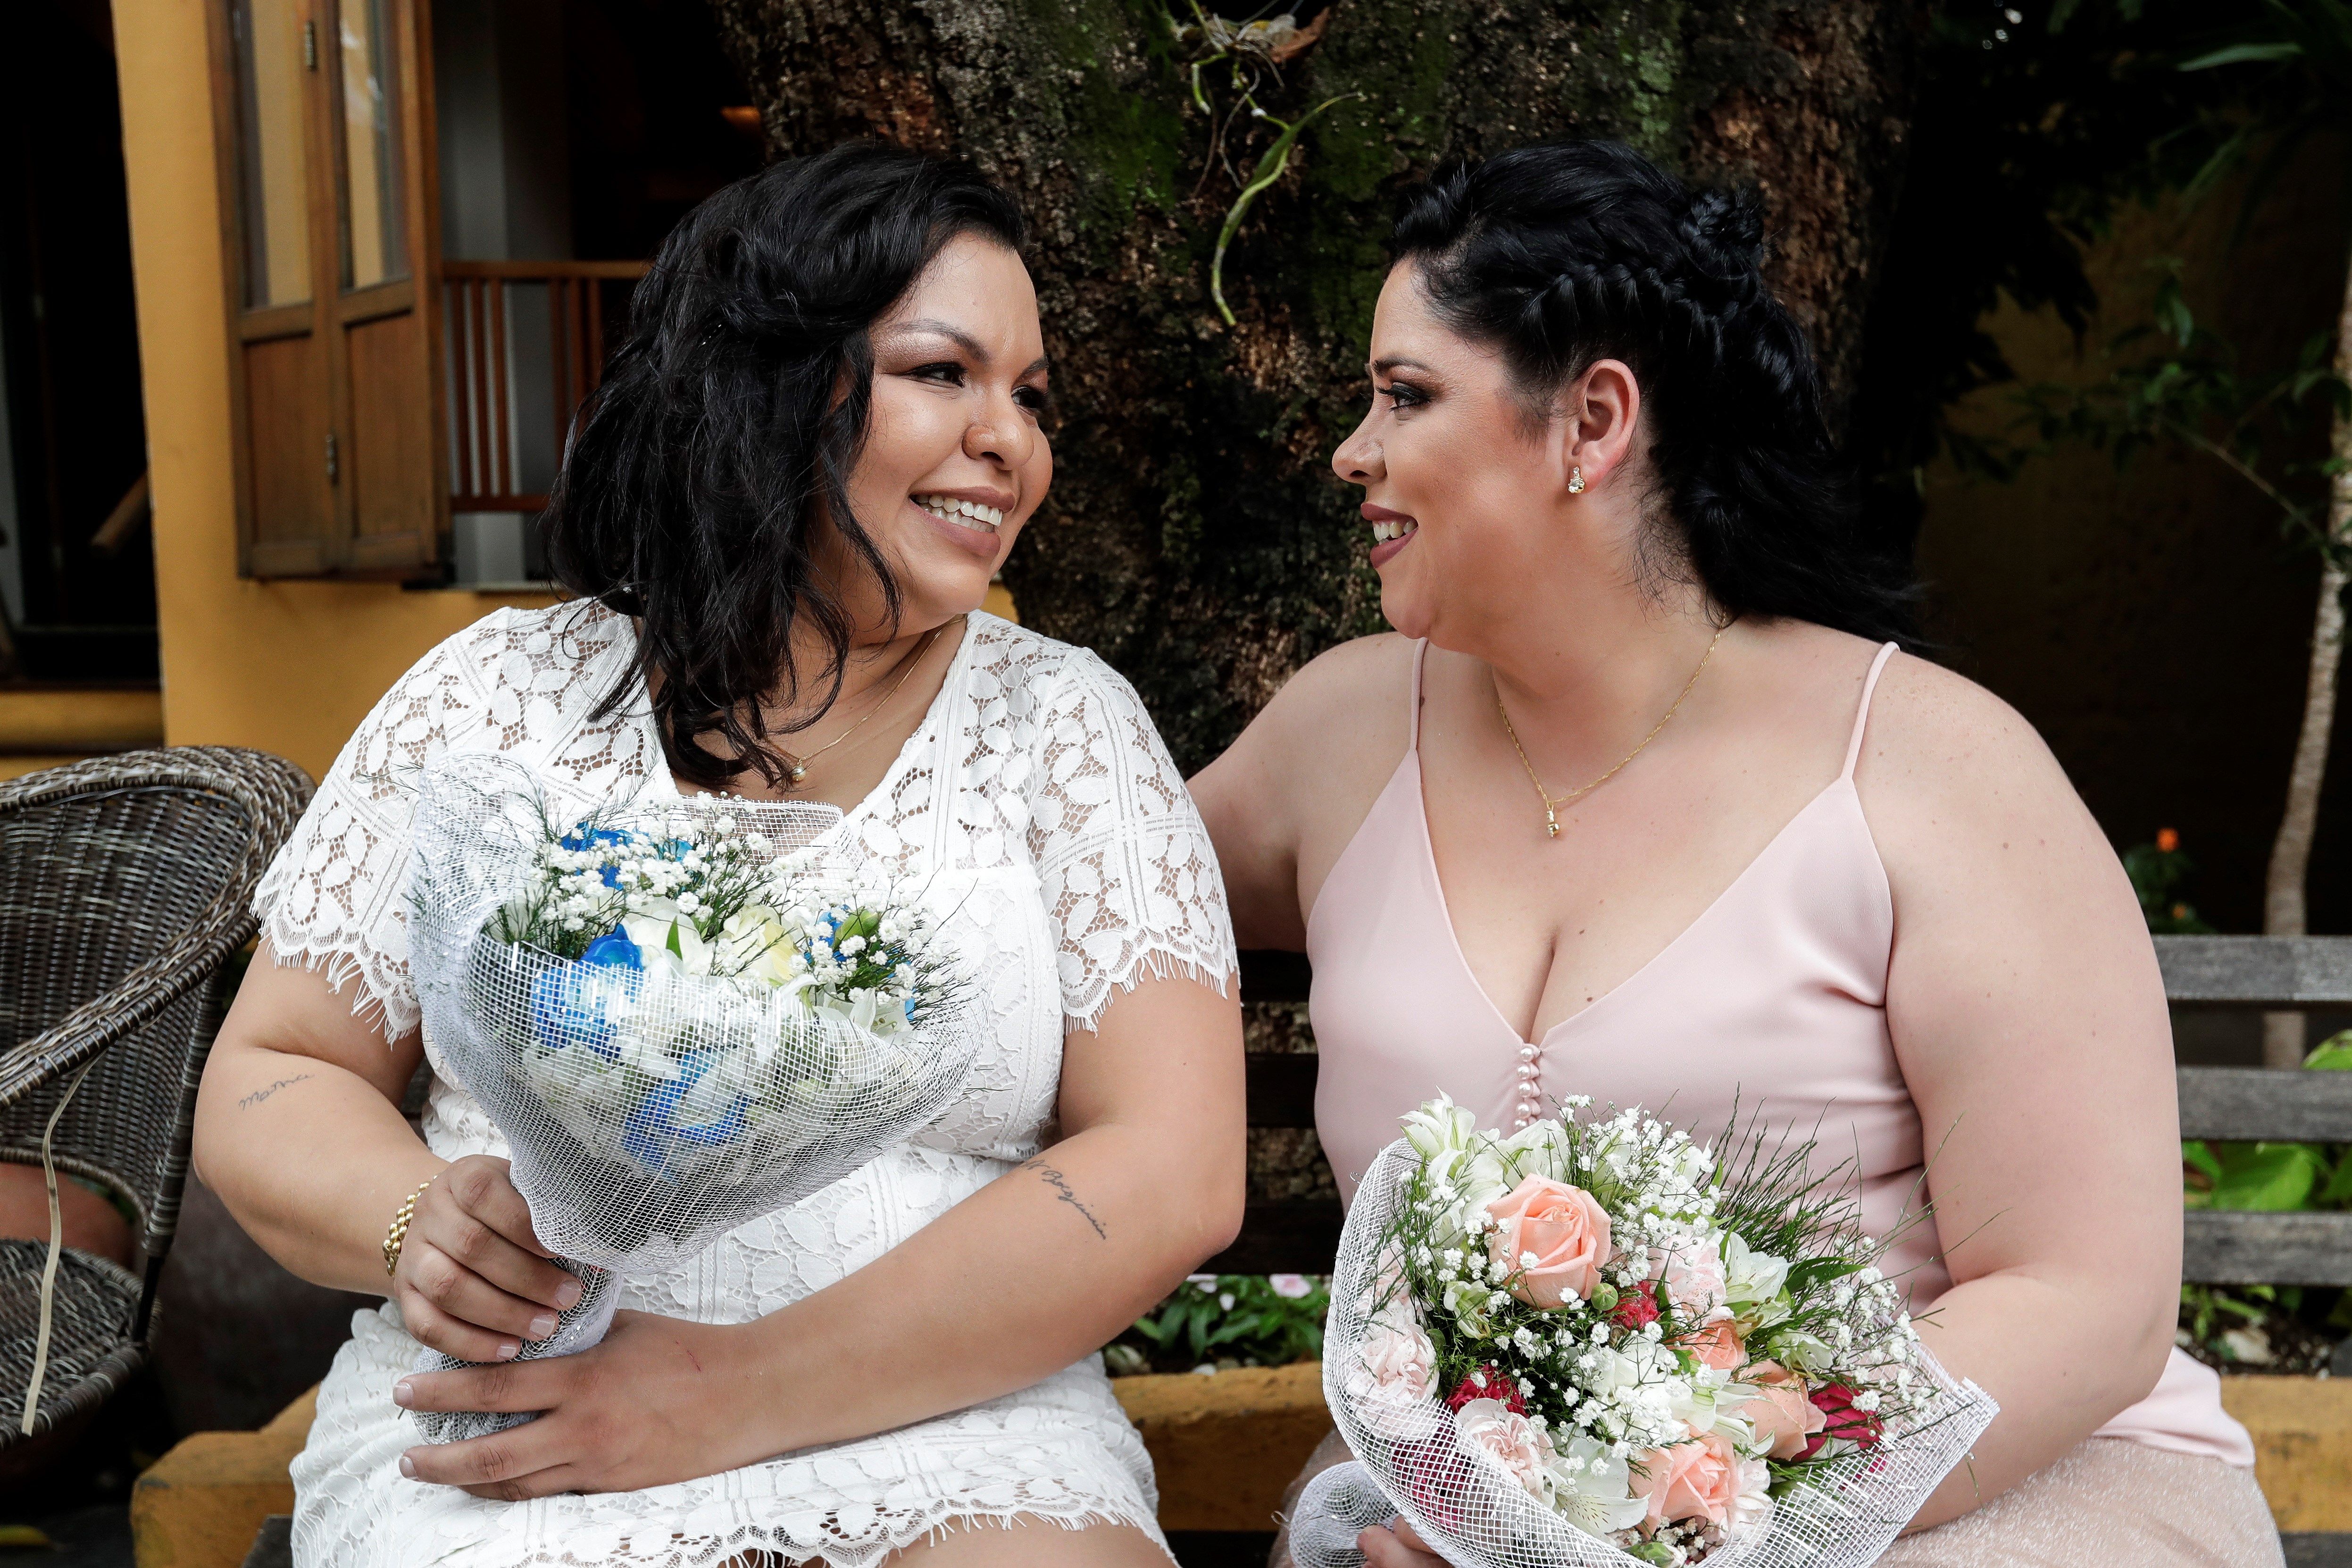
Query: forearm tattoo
[[258, 1094], [1061, 1185]]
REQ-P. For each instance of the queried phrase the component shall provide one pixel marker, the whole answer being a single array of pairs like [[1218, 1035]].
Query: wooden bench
[[1301, 1236], [2305, 1454]]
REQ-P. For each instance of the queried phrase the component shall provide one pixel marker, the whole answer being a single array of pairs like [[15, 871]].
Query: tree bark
[[1195, 536], [2284, 900]]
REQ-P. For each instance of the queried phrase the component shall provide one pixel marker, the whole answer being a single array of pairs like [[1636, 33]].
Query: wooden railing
[[487, 368]]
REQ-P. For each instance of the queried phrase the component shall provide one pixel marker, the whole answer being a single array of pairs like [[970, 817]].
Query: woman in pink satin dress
[[1645, 801]]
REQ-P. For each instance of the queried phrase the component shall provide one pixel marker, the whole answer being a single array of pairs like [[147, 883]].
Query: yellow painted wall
[[291, 667]]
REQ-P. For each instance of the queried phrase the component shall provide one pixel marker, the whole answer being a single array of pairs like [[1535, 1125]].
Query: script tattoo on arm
[[258, 1094], [1061, 1185]]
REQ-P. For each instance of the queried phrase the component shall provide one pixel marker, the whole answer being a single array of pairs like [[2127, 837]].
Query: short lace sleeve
[[1129, 880], [335, 898]]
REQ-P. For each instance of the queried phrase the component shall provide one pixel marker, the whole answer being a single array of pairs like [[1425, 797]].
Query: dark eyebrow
[[966, 341], [1388, 365], [954, 334]]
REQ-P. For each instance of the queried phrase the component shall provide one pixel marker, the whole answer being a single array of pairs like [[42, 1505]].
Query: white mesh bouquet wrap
[[678, 1076], [1491, 1482]]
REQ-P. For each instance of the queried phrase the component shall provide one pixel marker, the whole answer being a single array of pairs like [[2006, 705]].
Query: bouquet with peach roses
[[1592, 1342]]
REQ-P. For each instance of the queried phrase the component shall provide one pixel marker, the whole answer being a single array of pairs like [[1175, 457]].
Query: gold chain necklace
[[1552, 803], [796, 767]]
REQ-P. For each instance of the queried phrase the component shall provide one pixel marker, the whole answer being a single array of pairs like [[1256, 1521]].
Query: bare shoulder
[[1346, 708], [1937, 736], [1299, 779], [1962, 794]]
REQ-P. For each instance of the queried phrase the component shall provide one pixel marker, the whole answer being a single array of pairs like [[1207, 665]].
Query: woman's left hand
[[657, 1400]]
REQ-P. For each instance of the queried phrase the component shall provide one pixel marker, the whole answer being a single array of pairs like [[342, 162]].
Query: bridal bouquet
[[681, 1016], [1591, 1343]]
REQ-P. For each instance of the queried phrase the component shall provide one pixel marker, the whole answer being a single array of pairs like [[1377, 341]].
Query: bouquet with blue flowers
[[680, 1014]]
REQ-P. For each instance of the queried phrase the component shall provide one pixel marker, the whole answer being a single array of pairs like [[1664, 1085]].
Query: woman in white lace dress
[[780, 517]]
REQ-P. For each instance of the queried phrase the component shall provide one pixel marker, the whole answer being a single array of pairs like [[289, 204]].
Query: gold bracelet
[[395, 1234]]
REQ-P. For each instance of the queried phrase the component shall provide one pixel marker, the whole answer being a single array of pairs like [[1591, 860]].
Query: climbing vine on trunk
[[1167, 156]]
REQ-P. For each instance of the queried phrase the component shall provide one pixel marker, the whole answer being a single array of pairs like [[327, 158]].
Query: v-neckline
[[1410, 767], [957, 663]]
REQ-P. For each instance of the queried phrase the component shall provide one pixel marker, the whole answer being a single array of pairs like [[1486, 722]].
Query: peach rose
[[1700, 1479], [1784, 1417], [1564, 1231], [1716, 1345]]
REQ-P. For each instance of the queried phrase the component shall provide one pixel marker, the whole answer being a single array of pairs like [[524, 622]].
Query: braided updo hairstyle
[[1568, 252]]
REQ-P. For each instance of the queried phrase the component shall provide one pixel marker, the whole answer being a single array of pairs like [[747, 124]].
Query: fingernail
[[508, 1350], [403, 1394], [568, 1294], [542, 1325], [408, 1467]]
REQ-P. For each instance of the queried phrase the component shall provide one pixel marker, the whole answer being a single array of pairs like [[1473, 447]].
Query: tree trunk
[[2283, 902], [1195, 535]]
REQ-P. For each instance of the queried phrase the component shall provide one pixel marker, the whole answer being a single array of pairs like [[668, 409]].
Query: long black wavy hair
[[1565, 253], [725, 433]]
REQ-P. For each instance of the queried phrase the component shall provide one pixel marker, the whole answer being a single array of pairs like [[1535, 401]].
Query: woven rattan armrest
[[139, 996]]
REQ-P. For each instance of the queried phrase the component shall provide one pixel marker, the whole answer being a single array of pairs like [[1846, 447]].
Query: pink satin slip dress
[[1775, 994]]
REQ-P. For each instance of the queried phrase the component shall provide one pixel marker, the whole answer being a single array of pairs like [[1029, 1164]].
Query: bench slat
[[1293, 1235], [2292, 1248], [2255, 971], [2318, 1548], [2263, 1103]]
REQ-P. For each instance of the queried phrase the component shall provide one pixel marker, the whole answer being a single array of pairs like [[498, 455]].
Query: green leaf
[[2267, 1176], [2245, 54], [1818, 1271], [2333, 1054], [2195, 1154]]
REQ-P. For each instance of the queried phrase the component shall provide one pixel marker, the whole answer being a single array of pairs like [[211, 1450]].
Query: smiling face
[[955, 458], [1467, 501]]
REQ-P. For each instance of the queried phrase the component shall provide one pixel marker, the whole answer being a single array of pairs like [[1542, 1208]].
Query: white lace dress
[[1036, 790]]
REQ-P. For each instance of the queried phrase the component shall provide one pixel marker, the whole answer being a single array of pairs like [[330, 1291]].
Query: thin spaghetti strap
[[1412, 718], [1862, 713]]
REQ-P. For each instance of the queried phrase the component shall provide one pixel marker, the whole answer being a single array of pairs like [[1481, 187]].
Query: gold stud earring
[[1575, 482]]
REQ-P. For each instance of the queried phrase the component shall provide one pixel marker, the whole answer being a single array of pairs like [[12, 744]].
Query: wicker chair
[[125, 884]]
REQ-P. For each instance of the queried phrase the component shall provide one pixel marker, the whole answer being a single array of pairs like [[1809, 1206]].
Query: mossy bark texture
[[1195, 535]]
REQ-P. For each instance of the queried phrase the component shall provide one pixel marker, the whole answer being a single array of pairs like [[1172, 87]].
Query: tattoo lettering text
[[1061, 1185], [258, 1094]]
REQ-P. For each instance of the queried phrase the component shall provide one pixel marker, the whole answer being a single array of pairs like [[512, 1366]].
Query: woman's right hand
[[1395, 1545], [473, 1280]]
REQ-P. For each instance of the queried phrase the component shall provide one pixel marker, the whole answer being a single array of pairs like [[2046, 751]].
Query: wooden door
[[384, 335], [329, 239], [265, 55]]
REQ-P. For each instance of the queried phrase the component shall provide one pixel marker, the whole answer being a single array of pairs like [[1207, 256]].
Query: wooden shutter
[[324, 130]]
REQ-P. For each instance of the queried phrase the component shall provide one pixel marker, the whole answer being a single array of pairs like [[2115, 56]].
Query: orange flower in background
[[2167, 840]]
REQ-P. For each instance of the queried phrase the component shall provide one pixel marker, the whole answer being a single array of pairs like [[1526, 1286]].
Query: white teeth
[[1384, 531], [987, 517]]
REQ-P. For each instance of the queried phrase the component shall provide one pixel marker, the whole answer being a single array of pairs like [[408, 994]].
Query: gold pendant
[[1551, 824], [797, 773]]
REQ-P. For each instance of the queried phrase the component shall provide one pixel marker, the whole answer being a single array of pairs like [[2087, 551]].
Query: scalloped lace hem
[[341, 966], [1158, 963], [768, 1546]]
